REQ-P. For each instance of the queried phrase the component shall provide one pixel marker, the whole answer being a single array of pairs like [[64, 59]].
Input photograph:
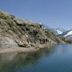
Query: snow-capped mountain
[[67, 34], [60, 31]]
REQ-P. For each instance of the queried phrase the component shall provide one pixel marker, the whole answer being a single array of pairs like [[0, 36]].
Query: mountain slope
[[59, 31], [15, 33], [67, 34]]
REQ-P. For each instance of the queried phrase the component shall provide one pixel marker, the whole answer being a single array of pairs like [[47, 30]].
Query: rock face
[[15, 33]]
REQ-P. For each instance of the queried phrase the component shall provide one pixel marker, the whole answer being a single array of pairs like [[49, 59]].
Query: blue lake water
[[58, 59]]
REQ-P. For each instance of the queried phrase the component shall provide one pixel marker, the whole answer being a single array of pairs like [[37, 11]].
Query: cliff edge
[[18, 33]]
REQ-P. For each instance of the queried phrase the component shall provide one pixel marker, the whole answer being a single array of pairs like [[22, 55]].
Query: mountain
[[59, 31], [17, 33], [67, 34]]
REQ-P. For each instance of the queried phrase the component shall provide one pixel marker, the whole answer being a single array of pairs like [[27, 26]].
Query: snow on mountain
[[68, 34], [59, 32]]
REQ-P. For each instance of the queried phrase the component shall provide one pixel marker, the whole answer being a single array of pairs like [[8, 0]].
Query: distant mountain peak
[[68, 33]]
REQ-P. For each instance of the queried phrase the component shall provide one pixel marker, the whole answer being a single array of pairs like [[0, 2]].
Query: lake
[[56, 59]]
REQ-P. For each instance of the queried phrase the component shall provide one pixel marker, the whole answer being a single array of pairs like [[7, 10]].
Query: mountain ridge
[[15, 33]]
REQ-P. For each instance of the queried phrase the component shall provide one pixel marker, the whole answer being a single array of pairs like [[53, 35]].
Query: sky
[[51, 13]]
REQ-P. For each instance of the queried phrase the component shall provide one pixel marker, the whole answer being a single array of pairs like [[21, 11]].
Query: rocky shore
[[17, 35]]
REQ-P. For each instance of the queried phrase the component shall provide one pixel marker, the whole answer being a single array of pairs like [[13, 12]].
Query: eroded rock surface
[[15, 33]]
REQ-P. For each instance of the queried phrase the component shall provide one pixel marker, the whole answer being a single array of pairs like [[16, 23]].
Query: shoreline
[[25, 50], [17, 50]]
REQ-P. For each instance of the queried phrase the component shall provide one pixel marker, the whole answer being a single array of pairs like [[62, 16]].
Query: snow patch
[[59, 32], [68, 34]]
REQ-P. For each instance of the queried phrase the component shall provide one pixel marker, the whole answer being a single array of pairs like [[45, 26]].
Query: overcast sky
[[53, 13]]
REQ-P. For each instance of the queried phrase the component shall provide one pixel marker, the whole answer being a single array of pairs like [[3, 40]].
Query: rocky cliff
[[15, 33]]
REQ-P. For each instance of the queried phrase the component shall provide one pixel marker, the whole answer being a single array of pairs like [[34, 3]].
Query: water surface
[[57, 59]]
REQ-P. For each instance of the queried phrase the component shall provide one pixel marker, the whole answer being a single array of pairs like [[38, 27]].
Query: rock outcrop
[[15, 33]]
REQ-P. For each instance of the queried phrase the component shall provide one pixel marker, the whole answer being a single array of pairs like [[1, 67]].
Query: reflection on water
[[10, 62], [56, 59]]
